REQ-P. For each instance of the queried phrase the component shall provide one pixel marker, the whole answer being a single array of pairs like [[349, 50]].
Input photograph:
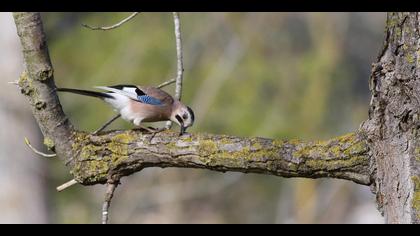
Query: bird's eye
[[185, 116]]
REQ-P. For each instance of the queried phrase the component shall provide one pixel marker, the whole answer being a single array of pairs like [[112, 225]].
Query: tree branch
[[110, 189], [179, 56], [180, 63], [121, 153], [107, 123], [66, 185], [38, 152], [166, 83], [112, 26], [37, 84]]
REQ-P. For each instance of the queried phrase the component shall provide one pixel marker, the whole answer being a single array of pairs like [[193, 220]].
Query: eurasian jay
[[139, 104]]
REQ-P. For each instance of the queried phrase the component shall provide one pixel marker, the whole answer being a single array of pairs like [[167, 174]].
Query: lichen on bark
[[393, 126], [120, 153]]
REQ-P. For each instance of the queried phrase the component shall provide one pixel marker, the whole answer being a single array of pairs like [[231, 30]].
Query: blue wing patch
[[149, 100]]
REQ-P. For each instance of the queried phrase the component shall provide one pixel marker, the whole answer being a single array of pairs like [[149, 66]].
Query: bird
[[137, 104]]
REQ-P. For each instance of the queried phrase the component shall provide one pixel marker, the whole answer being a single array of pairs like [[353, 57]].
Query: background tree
[[393, 125]]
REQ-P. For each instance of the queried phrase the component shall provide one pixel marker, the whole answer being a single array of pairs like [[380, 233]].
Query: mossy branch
[[96, 159], [120, 153]]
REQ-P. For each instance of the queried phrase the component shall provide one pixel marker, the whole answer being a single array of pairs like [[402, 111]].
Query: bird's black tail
[[86, 93]]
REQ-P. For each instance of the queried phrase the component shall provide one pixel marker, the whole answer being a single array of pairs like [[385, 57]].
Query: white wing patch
[[126, 91], [130, 90], [119, 101]]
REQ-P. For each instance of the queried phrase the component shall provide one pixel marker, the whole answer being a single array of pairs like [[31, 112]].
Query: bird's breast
[[148, 113]]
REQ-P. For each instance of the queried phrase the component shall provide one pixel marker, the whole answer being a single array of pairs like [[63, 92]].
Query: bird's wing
[[146, 95], [124, 92], [149, 100], [164, 97]]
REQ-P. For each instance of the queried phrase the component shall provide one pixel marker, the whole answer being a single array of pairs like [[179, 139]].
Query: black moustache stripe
[[180, 120]]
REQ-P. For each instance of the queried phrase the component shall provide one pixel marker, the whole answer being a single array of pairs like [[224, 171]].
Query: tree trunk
[[393, 125]]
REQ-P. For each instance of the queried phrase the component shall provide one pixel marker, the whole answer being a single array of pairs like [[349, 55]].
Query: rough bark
[[393, 125], [121, 153], [99, 158], [37, 83]]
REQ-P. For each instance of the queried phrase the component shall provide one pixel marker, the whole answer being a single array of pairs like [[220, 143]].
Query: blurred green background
[[275, 75]]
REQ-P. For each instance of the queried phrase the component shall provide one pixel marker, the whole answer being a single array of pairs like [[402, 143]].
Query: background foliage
[[276, 75]]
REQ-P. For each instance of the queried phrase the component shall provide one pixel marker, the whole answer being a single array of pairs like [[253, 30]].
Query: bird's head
[[183, 116]]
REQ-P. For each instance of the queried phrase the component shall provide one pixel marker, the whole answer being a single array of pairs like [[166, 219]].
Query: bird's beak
[[183, 129]]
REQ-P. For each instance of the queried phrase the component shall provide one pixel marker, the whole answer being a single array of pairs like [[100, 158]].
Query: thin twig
[[107, 202], [180, 64], [38, 152], [112, 26], [66, 185], [107, 123], [169, 82]]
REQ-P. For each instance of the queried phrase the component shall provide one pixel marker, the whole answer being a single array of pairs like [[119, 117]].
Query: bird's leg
[[107, 123], [153, 131], [157, 130], [149, 129]]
